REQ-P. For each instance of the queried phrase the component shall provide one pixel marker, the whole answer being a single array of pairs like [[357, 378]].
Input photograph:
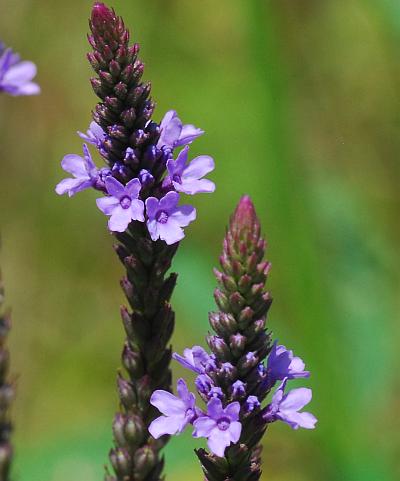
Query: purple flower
[[252, 403], [82, 168], [122, 204], [193, 359], [286, 407], [238, 389], [95, 135], [283, 364], [204, 384], [15, 75], [174, 133], [188, 178], [220, 426], [177, 412], [166, 218]]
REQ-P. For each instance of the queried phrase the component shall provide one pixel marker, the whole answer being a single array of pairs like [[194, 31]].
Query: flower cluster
[[16, 75], [153, 195], [235, 378], [221, 425]]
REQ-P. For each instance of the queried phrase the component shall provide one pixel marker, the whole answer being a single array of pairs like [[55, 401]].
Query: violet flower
[[16, 75], [95, 135], [178, 411], [220, 426], [193, 359], [82, 168], [122, 205], [286, 407], [174, 133], [283, 364], [188, 178], [166, 218]]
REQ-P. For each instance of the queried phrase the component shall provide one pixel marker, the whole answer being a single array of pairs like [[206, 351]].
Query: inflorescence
[[143, 178], [242, 368]]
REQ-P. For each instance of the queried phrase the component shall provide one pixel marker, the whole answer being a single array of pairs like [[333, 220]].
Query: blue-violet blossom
[[193, 359], [220, 426], [95, 135], [283, 364], [82, 168], [177, 412], [123, 204], [286, 407], [166, 218], [16, 75], [188, 178], [174, 133]]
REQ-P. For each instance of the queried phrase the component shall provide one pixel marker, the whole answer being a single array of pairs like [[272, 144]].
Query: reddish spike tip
[[101, 14], [244, 217]]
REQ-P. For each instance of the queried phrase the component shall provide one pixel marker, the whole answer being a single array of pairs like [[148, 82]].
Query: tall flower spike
[[241, 343], [130, 143], [6, 396]]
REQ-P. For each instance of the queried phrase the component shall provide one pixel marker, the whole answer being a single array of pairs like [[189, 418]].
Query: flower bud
[[144, 461], [219, 347], [121, 461]]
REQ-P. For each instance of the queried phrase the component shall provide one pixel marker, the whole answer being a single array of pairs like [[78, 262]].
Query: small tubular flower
[[177, 411], [122, 204], [193, 359], [174, 133], [283, 364], [95, 135], [16, 75], [286, 407], [166, 218], [220, 426], [84, 171], [188, 178]]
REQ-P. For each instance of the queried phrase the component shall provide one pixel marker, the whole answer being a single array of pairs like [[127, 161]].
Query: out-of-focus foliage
[[300, 103]]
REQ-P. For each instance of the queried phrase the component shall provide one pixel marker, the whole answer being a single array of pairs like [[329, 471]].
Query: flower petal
[[192, 187], [114, 187], [167, 425], [235, 430], [107, 204], [152, 226], [20, 73], [296, 399], [183, 215], [133, 188], [232, 411], [171, 127], [152, 205], [214, 408], [203, 427], [219, 441], [169, 202], [75, 165], [188, 134], [137, 210], [170, 232], [167, 403], [199, 167], [120, 219]]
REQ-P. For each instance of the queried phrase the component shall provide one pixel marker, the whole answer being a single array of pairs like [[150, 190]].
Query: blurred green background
[[301, 107]]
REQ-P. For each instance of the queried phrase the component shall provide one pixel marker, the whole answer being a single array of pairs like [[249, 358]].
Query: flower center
[[162, 217], [125, 202], [223, 423], [177, 178]]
